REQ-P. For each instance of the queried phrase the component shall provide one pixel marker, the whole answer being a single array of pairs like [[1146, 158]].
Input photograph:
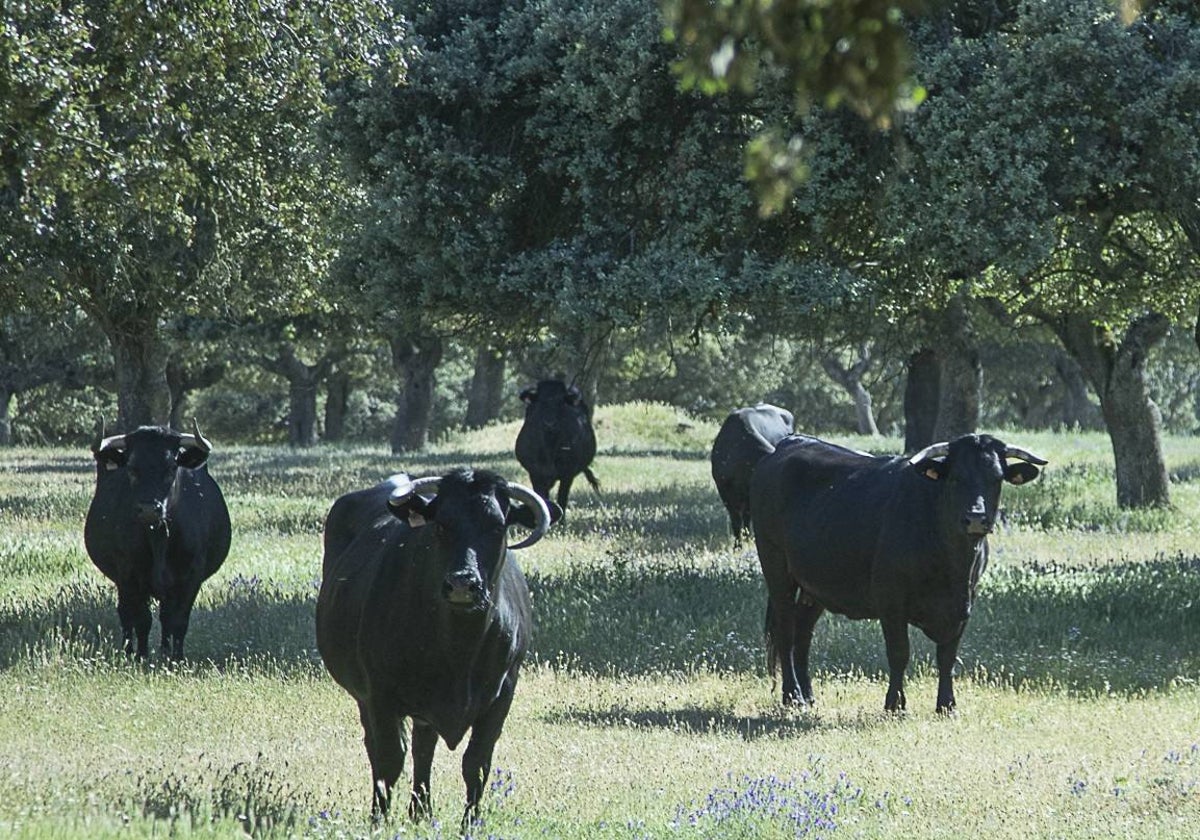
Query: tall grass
[[646, 709]]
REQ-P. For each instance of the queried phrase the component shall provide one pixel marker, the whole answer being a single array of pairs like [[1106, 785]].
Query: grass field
[[646, 710]]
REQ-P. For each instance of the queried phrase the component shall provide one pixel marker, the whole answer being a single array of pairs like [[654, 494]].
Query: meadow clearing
[[646, 709]]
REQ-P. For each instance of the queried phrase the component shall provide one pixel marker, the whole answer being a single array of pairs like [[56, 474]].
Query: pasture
[[646, 709]]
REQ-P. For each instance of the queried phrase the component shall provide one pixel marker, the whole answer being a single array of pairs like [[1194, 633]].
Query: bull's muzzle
[[464, 590], [977, 521], [150, 513]]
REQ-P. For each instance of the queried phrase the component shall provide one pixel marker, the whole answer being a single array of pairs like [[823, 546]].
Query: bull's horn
[[195, 438], [523, 494], [934, 450], [405, 492], [1024, 455], [101, 443]]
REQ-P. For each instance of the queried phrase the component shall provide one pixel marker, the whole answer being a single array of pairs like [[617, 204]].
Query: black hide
[[157, 527], [423, 613], [875, 537], [744, 438], [556, 442]]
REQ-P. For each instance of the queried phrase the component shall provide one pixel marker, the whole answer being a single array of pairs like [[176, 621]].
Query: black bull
[[556, 442], [157, 527], [902, 540], [424, 613], [744, 438]]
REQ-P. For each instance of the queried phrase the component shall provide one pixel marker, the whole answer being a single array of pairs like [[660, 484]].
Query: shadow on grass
[[245, 625], [703, 720], [1126, 628], [1123, 628]]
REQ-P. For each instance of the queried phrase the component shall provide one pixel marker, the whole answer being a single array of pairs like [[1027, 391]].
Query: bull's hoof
[[947, 709]]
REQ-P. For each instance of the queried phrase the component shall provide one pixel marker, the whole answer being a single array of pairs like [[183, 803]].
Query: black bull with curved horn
[[899, 539], [424, 613], [157, 526]]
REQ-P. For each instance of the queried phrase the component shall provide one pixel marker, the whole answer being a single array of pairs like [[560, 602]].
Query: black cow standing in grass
[[556, 441], [423, 613], [743, 439], [157, 527], [903, 540]]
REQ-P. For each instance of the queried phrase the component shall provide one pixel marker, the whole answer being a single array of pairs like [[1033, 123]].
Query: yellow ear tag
[[932, 473], [415, 519], [1017, 479]]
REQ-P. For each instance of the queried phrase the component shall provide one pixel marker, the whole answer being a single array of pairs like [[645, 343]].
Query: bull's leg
[[174, 613], [564, 491], [780, 621], [541, 485], [424, 741], [477, 759], [947, 656], [805, 615], [133, 609], [383, 734], [895, 637]]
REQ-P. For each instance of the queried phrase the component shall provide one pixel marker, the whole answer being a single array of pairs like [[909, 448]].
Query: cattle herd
[[423, 612]]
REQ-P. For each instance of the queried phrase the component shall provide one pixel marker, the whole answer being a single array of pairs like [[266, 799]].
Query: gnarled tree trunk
[[337, 401], [921, 388], [304, 381], [960, 377], [1117, 371], [850, 378], [182, 379], [486, 395], [416, 359], [140, 364]]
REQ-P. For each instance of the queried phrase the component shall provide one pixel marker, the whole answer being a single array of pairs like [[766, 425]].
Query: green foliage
[[851, 51]]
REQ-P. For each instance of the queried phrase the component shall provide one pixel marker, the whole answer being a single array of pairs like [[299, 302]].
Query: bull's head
[[548, 398], [972, 468], [147, 462], [468, 513]]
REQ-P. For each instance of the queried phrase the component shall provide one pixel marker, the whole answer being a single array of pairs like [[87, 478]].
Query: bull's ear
[[529, 394], [523, 515], [111, 458], [1020, 473], [416, 510], [932, 468], [191, 457], [573, 395]]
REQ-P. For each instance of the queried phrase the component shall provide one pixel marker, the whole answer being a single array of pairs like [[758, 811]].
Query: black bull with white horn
[[898, 539], [423, 613]]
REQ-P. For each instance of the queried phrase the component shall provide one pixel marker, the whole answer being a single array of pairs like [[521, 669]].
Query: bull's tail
[[771, 644], [592, 480]]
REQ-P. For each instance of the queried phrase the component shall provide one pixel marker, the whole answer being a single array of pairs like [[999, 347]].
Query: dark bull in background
[[157, 527]]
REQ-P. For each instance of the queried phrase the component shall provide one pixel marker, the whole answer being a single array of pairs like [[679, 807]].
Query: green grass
[[646, 710]]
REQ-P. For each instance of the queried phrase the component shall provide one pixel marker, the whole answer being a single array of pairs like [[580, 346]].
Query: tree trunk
[[1077, 410], [140, 362], [961, 374], [337, 398], [416, 360], [182, 380], [850, 379], [921, 389], [486, 395], [303, 383], [6, 396], [1118, 375], [302, 413]]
